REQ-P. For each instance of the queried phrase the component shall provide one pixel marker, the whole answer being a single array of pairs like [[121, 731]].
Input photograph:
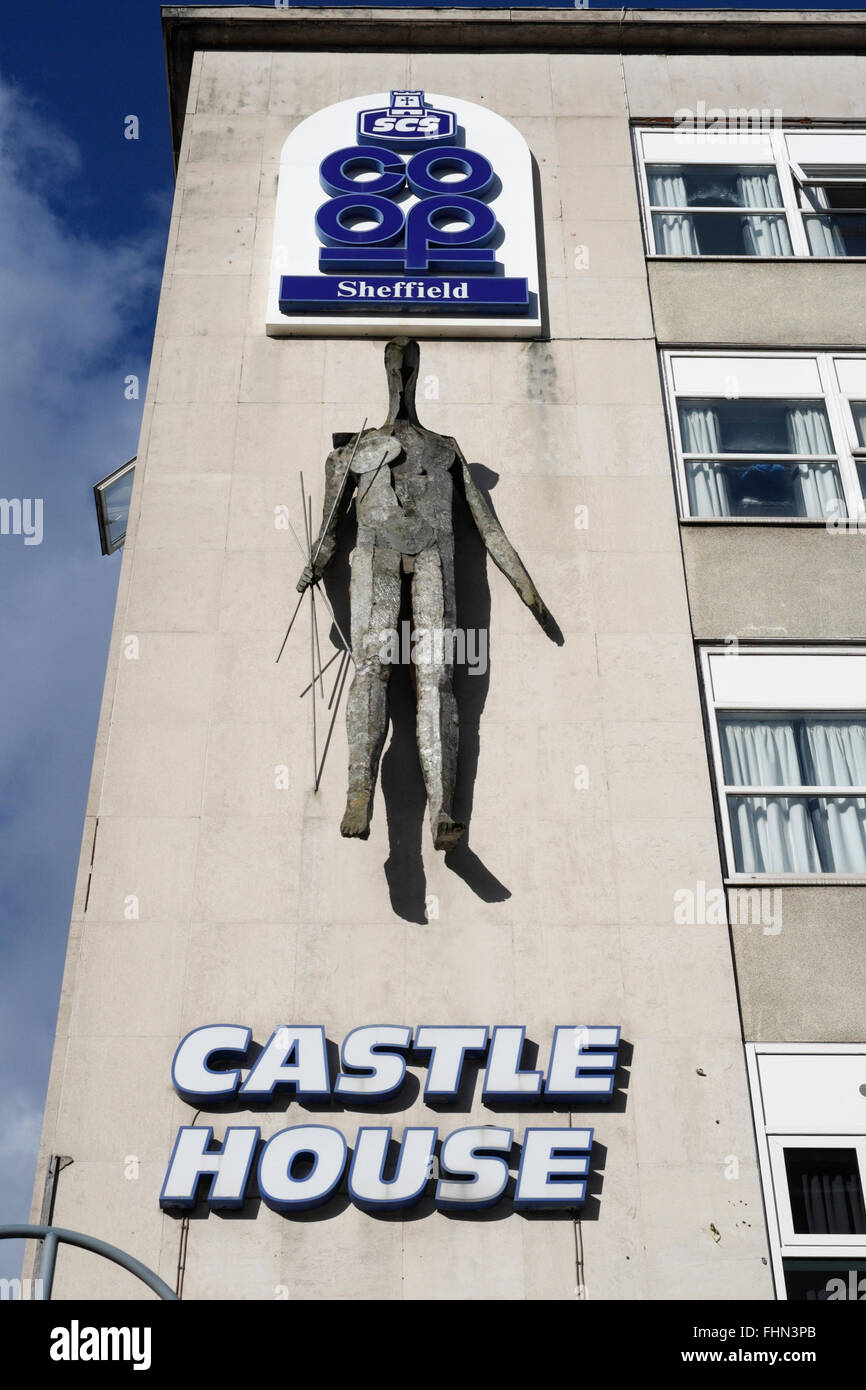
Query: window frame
[[789, 173], [791, 1240], [100, 497], [848, 452], [778, 1213], [734, 877]]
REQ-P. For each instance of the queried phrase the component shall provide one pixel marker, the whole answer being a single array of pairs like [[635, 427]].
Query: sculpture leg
[[375, 603], [433, 620]]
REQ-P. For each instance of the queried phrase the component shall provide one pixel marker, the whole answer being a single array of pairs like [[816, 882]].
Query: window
[[811, 1122], [834, 211], [112, 496], [792, 781], [704, 210], [824, 1189], [757, 192], [762, 437]]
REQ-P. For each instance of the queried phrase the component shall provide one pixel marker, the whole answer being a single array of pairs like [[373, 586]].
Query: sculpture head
[[402, 363]]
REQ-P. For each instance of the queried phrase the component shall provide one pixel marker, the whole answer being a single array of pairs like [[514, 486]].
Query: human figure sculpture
[[402, 474]]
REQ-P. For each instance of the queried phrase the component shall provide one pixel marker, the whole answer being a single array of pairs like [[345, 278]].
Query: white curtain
[[760, 753], [838, 751], [832, 1203], [780, 834], [825, 237], [707, 484], [809, 433], [763, 236], [675, 234]]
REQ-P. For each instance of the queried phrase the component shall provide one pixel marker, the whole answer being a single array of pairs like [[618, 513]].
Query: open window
[[112, 496], [764, 190]]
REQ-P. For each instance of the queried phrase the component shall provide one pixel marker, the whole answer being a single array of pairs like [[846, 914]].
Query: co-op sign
[[405, 211], [303, 1165]]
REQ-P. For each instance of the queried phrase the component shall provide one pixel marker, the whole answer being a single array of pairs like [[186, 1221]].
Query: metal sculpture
[[403, 477]]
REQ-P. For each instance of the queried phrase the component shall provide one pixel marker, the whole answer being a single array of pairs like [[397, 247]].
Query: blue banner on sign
[[365, 294]]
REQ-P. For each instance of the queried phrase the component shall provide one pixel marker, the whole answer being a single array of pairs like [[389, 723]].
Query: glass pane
[[825, 1191], [116, 498], [819, 1281], [798, 834], [713, 186], [841, 235], [720, 426], [858, 410], [719, 234], [843, 195], [796, 750], [808, 490]]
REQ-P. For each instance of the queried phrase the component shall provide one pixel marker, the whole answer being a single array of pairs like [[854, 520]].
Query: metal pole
[[46, 1267]]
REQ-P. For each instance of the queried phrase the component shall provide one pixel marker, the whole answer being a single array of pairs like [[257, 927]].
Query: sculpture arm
[[337, 475], [499, 547]]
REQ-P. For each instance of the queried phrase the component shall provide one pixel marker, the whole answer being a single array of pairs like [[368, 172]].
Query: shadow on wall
[[401, 782]]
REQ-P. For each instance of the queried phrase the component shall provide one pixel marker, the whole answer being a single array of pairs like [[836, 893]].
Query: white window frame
[[847, 449], [784, 1242], [715, 706], [745, 150], [796, 1240]]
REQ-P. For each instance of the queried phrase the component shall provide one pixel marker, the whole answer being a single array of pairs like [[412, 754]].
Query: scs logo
[[407, 122]]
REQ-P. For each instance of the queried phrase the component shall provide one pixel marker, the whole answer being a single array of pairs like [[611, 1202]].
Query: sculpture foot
[[447, 833], [355, 824]]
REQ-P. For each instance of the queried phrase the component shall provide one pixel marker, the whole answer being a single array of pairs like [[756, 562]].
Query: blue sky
[[82, 234]]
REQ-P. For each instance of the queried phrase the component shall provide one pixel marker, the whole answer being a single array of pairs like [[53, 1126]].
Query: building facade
[[664, 780]]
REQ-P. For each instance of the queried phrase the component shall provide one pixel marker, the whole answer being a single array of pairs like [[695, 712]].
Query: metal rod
[[291, 624], [343, 656], [340, 490], [313, 607], [340, 652], [306, 520], [313, 676], [331, 729], [362, 495], [323, 594], [315, 623]]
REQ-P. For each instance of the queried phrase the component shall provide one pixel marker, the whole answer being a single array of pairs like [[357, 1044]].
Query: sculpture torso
[[404, 502]]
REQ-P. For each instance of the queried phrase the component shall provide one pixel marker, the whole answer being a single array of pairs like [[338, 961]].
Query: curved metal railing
[[52, 1236]]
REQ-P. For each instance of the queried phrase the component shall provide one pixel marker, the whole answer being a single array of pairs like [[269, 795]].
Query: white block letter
[[229, 1166], [549, 1159], [488, 1176]]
